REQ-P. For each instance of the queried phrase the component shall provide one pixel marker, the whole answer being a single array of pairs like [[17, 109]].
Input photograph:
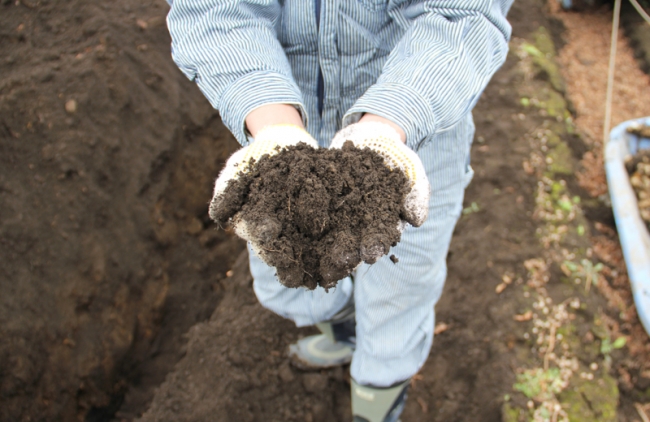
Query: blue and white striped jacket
[[421, 64]]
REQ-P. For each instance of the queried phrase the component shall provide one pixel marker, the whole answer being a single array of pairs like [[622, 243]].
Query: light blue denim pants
[[394, 302]]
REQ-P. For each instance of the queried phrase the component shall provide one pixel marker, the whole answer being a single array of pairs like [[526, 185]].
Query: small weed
[[471, 209], [607, 346], [540, 384], [585, 270], [565, 204], [531, 50]]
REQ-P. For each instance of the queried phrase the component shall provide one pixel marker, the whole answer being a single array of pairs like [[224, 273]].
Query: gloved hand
[[269, 141], [384, 140]]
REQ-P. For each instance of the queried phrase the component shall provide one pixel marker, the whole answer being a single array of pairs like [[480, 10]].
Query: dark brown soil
[[235, 369], [107, 257], [638, 32], [632, 164], [315, 214]]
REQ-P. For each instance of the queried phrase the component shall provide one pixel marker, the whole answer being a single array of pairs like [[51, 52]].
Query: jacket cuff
[[249, 92], [401, 105]]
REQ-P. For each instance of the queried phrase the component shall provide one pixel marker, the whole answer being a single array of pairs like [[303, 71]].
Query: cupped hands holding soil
[[316, 214]]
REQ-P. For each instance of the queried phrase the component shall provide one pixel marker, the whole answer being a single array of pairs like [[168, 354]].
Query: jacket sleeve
[[230, 49], [438, 69]]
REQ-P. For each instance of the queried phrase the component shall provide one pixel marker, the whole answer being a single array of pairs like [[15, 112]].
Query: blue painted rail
[[632, 230]]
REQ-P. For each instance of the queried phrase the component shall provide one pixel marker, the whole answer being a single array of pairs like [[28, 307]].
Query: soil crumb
[[638, 168], [317, 213], [394, 259], [642, 131]]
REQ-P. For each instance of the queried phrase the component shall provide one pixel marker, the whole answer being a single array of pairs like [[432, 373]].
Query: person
[[383, 71]]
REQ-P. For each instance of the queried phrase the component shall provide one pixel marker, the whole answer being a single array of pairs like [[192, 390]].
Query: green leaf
[[619, 343], [472, 208], [539, 384], [565, 204], [544, 413], [530, 390], [606, 346], [532, 50], [572, 266]]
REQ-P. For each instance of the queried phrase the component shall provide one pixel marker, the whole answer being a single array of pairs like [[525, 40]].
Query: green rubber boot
[[373, 404], [334, 347]]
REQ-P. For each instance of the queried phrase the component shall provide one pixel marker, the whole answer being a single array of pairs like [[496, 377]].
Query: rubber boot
[[374, 404], [334, 347]]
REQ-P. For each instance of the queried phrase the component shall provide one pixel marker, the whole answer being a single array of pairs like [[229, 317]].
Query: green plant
[[532, 50], [539, 384], [585, 270], [565, 204], [472, 208], [607, 346]]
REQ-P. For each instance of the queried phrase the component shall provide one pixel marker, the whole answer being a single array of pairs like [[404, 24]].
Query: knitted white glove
[[269, 141], [384, 140]]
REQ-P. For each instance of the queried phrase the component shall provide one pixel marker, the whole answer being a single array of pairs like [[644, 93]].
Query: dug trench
[[122, 301], [107, 256]]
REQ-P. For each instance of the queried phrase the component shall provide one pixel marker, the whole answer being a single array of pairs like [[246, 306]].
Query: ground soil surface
[[107, 159], [120, 299], [584, 63]]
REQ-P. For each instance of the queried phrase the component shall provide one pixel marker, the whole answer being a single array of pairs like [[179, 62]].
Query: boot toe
[[318, 351]]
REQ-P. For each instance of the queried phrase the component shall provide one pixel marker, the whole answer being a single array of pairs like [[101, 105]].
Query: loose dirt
[[316, 214], [107, 256], [584, 65]]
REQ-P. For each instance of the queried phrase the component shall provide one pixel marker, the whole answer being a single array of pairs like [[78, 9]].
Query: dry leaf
[[528, 168], [440, 328], [526, 316], [423, 405], [414, 379], [142, 23]]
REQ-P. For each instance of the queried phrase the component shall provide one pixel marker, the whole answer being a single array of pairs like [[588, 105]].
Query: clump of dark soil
[[317, 213]]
